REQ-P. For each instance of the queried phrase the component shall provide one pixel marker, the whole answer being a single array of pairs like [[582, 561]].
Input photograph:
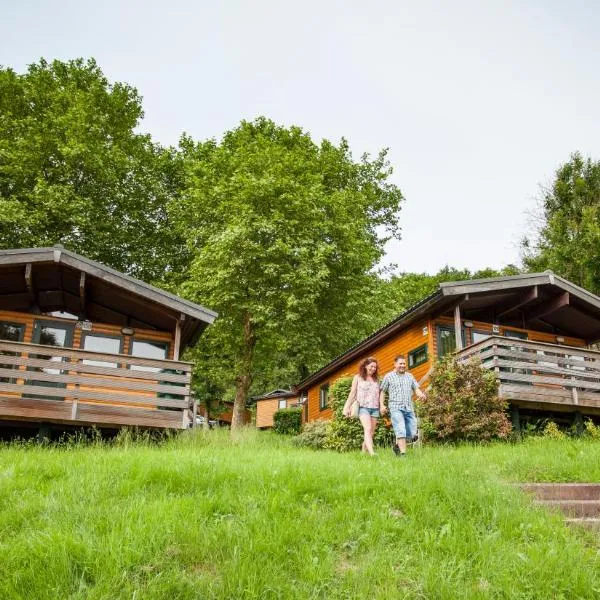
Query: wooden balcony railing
[[81, 387], [540, 372]]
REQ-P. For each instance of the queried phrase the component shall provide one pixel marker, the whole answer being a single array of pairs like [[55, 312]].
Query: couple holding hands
[[370, 395]]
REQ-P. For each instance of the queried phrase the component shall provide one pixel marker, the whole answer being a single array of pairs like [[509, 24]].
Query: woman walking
[[365, 388]]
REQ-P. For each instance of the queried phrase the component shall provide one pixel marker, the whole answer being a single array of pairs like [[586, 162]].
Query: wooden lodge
[[82, 344], [268, 404], [534, 331]]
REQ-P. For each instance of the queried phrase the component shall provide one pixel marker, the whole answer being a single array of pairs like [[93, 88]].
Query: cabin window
[[51, 333], [283, 404], [517, 335], [418, 356], [105, 344], [323, 396], [148, 349], [479, 336], [10, 332], [446, 340]]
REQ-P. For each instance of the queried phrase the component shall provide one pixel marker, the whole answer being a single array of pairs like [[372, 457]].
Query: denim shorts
[[372, 412], [404, 423]]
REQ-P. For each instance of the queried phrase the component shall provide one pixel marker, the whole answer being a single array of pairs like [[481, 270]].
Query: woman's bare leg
[[365, 421]]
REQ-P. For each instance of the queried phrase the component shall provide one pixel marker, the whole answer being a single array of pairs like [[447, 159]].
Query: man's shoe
[[396, 449]]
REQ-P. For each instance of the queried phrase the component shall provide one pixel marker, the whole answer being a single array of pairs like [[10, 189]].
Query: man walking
[[400, 386]]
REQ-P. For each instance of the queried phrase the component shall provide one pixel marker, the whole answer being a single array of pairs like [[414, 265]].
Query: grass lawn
[[203, 516]]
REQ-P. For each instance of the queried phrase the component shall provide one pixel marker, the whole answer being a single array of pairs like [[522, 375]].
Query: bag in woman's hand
[[354, 408]]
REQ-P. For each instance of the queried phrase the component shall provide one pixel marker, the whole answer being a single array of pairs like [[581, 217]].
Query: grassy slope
[[204, 517]]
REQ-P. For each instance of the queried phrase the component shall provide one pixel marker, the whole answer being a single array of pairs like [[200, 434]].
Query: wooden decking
[[78, 387], [542, 376]]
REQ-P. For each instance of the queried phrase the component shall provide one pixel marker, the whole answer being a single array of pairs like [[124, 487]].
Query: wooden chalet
[[268, 404], [534, 331], [82, 344]]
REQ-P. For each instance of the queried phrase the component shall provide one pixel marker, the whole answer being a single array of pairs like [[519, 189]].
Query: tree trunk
[[244, 376]]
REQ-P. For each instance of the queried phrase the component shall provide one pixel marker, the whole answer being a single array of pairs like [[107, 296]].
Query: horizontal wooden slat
[[56, 392], [92, 369], [540, 368], [118, 384], [21, 348], [88, 414]]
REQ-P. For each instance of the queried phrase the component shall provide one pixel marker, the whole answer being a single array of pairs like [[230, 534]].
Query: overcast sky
[[478, 101]]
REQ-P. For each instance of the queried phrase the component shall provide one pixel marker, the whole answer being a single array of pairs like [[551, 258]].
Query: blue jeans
[[404, 423], [372, 412]]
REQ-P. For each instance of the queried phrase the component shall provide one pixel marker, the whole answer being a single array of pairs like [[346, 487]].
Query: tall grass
[[208, 516]]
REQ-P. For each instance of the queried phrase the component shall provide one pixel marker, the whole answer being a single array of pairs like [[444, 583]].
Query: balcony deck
[[78, 387], [541, 376]]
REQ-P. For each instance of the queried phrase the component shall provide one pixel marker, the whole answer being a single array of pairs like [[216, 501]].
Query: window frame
[[21, 328], [120, 337], [438, 330], [481, 332], [279, 407], [157, 342], [414, 351], [324, 396]]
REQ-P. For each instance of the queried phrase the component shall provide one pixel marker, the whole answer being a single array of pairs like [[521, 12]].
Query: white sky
[[478, 102]]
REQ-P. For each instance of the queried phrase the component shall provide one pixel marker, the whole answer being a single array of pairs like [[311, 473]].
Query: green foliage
[[591, 430], [567, 240], [284, 234], [463, 403], [347, 434], [552, 431], [313, 435], [73, 170], [287, 421]]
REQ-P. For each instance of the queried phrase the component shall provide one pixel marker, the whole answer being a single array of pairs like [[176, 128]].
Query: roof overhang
[[54, 279]]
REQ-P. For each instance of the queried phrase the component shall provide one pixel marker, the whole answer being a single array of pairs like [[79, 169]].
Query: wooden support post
[[74, 409], [578, 422], [457, 327], [177, 342], [82, 294], [43, 434], [515, 418]]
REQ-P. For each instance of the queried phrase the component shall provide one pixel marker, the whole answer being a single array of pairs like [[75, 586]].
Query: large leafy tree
[[567, 239], [73, 169], [284, 235]]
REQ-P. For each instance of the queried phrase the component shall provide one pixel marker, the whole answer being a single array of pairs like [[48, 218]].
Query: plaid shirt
[[400, 389]]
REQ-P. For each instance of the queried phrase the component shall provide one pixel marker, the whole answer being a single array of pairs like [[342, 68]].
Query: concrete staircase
[[579, 502]]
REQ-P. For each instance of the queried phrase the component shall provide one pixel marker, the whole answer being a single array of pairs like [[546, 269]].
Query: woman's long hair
[[362, 368]]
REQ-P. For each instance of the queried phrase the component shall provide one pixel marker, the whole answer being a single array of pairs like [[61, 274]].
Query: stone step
[[563, 491], [588, 523], [573, 508]]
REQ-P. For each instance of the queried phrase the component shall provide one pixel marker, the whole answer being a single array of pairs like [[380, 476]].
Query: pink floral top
[[367, 393]]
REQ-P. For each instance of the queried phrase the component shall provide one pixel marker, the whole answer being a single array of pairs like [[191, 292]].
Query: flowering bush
[[463, 403]]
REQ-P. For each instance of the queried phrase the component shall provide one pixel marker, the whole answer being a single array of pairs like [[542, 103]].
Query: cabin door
[[51, 333]]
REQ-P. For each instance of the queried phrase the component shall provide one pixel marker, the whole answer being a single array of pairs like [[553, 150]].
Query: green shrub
[[552, 431], [287, 420], [463, 404], [313, 435], [347, 434], [592, 430]]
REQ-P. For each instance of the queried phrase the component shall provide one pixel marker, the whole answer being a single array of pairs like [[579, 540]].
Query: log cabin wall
[[265, 409], [413, 338], [28, 320]]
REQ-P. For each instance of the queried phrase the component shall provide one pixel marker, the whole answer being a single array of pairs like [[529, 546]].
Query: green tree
[[73, 170], [284, 235], [567, 240]]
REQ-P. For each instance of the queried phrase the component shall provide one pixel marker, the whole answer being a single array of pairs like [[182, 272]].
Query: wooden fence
[[80, 387], [539, 372]]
